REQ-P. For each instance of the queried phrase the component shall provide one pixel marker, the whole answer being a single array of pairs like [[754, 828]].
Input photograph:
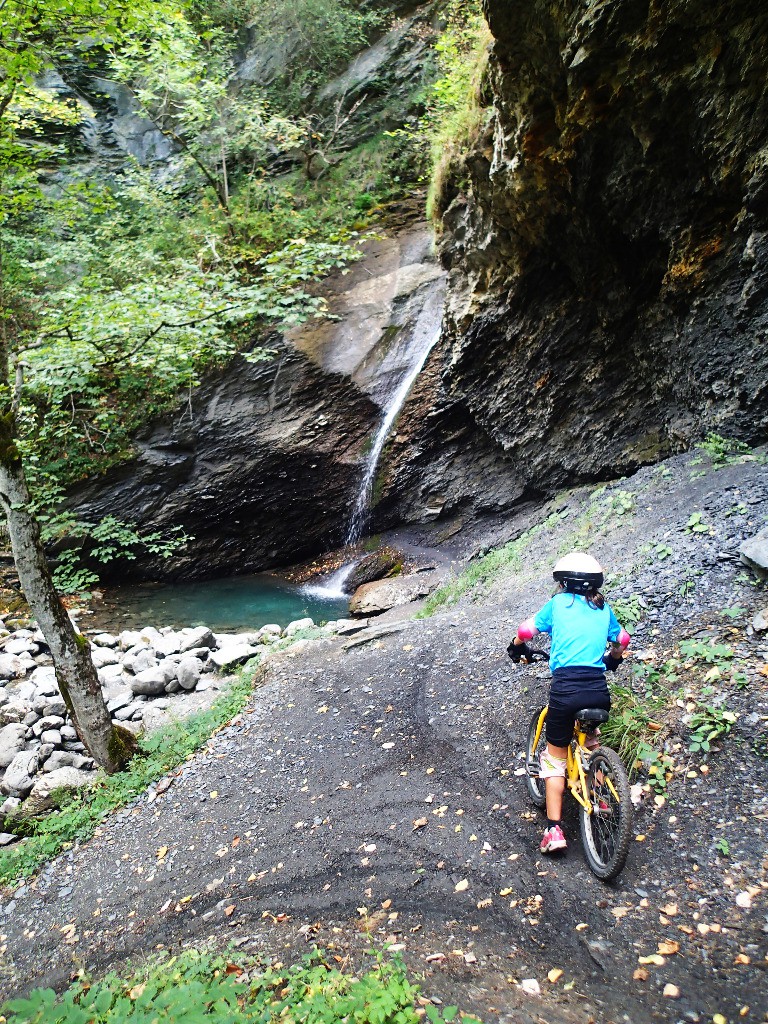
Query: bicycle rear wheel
[[536, 787], [606, 832]]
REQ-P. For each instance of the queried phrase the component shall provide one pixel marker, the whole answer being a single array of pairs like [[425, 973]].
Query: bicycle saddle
[[592, 716]]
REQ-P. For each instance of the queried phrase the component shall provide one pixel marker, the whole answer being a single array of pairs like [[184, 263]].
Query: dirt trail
[[309, 807]]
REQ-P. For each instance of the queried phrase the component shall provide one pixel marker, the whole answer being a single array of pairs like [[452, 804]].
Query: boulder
[[104, 640], [156, 718], [55, 707], [138, 638], [48, 722], [169, 668], [9, 805], [269, 634], [374, 598], [48, 787], [22, 645], [124, 714], [200, 636], [120, 699], [379, 564], [189, 672], [110, 675], [754, 553], [50, 737], [298, 625], [25, 690], [44, 681], [14, 711], [103, 656], [12, 739], [11, 667], [760, 621], [169, 644], [144, 660], [150, 682], [66, 759], [232, 654], [18, 779]]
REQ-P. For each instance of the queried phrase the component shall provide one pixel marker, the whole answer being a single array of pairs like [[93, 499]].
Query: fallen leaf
[[430, 771], [554, 975], [213, 794], [620, 911], [235, 842], [640, 839], [162, 853], [323, 710], [654, 958], [229, 911], [420, 823], [670, 909], [742, 958], [251, 878], [137, 990], [581, 927], [505, 892], [434, 957], [462, 885], [640, 974], [408, 647], [482, 904], [470, 958], [669, 947], [671, 991], [233, 969]]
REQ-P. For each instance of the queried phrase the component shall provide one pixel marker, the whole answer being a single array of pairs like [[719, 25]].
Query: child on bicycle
[[581, 624]]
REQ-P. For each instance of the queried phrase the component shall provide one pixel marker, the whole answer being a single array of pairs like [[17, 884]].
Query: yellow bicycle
[[597, 781]]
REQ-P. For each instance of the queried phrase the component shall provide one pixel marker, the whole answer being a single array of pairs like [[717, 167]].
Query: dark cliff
[[608, 255]]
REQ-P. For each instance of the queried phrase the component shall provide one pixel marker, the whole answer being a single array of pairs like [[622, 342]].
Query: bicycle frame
[[576, 779]]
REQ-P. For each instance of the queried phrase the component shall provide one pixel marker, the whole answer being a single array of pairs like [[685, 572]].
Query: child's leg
[[554, 780]]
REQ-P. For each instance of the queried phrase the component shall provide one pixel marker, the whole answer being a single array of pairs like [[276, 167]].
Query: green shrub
[[199, 986], [455, 111]]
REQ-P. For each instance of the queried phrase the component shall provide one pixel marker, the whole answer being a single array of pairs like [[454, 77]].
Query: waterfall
[[394, 404], [333, 586]]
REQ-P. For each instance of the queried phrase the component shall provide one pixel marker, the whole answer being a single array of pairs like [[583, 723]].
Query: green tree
[[33, 36], [185, 83]]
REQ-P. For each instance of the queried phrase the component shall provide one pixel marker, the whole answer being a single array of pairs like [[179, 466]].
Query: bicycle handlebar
[[526, 653]]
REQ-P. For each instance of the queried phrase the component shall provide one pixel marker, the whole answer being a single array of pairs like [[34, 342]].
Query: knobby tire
[[536, 787], [606, 834]]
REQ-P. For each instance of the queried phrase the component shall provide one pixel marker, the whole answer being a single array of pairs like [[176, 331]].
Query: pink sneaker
[[553, 839]]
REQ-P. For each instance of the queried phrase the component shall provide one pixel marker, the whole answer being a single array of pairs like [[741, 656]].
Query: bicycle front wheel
[[536, 786], [606, 832]]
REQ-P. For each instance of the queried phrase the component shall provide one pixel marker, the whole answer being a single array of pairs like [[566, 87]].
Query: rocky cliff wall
[[608, 253], [261, 463]]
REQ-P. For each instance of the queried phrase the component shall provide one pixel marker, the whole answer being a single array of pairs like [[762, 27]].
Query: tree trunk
[[76, 675]]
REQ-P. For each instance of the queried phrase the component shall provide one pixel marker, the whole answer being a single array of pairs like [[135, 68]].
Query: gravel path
[[364, 786]]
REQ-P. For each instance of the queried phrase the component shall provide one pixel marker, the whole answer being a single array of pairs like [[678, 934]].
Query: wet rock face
[[260, 464], [607, 246]]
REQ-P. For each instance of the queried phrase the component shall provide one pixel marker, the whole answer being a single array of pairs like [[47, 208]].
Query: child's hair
[[594, 598]]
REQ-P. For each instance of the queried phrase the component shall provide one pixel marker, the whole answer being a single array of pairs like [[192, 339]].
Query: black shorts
[[573, 689]]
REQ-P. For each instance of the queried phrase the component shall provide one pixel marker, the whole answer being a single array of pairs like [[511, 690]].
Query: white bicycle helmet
[[579, 573]]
